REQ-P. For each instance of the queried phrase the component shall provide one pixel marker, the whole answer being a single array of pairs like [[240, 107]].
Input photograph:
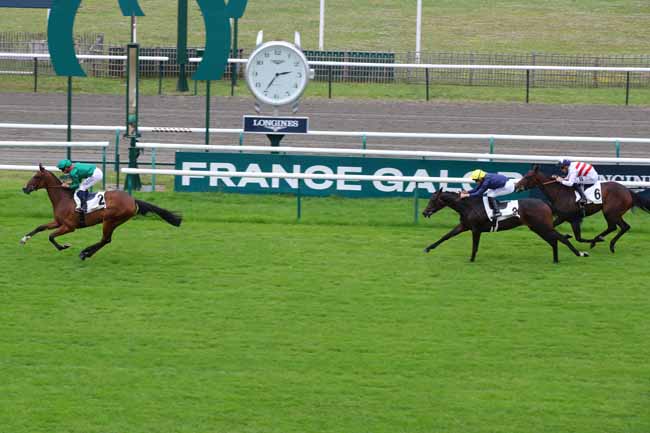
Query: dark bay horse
[[120, 207], [532, 212], [616, 199]]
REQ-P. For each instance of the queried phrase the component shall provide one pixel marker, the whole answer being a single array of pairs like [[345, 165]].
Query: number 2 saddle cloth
[[94, 203]]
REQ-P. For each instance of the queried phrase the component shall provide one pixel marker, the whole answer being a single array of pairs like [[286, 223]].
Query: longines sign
[[276, 125]]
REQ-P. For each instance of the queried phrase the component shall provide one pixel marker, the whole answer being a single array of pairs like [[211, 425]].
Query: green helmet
[[63, 164]]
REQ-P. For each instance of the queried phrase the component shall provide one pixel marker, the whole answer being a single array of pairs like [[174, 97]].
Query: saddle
[[95, 202], [509, 209], [594, 194]]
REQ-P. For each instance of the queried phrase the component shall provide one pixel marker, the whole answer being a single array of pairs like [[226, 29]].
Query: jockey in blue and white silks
[[492, 185]]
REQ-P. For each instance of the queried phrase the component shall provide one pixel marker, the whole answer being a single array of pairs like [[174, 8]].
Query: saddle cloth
[[594, 194], [94, 203], [508, 209]]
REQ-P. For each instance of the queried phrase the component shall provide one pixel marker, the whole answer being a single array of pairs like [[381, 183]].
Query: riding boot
[[496, 212], [83, 205], [582, 202]]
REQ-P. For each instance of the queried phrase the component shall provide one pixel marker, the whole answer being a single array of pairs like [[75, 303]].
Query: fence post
[[69, 132], [527, 85], [299, 200], [627, 88], [153, 167], [35, 74], [160, 75], [618, 148], [104, 168], [416, 205], [117, 156], [491, 145], [207, 112], [364, 143], [426, 74], [329, 82]]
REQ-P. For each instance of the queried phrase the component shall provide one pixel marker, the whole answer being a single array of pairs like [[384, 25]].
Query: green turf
[[588, 27], [244, 320], [580, 26], [403, 92]]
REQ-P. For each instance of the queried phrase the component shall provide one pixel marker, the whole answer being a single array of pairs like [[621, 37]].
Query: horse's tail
[[641, 201], [172, 218]]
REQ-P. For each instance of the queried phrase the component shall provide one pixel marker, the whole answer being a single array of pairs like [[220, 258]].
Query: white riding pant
[[90, 181], [508, 188], [590, 179]]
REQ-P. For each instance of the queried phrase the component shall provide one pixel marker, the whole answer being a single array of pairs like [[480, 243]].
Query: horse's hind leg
[[577, 232], [455, 231], [476, 238], [569, 245], [48, 226], [624, 228], [550, 238], [107, 235]]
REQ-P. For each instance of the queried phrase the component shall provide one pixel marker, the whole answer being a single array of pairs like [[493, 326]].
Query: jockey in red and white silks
[[577, 175], [580, 172]]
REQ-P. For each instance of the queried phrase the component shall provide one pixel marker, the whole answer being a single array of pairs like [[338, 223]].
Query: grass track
[[580, 26], [244, 320]]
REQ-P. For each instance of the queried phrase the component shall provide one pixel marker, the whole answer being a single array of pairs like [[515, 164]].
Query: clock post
[[277, 74]]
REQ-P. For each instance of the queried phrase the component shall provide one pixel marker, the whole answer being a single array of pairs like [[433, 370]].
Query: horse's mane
[[58, 182]]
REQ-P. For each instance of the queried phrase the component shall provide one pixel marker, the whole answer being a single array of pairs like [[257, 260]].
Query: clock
[[277, 73]]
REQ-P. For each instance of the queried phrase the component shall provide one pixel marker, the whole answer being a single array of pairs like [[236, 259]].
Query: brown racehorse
[[120, 207], [616, 199], [532, 212]]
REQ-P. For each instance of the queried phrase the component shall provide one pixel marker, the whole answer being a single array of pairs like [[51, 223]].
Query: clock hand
[[276, 76]]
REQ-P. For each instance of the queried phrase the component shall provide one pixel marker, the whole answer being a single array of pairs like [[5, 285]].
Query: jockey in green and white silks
[[83, 177]]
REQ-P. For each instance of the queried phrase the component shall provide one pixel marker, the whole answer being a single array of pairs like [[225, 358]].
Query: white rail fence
[[54, 144], [363, 135], [396, 153], [333, 64]]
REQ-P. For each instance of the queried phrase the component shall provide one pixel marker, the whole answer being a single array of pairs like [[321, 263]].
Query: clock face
[[277, 73]]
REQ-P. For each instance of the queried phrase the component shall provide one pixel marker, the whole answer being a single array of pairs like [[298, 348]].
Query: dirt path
[[337, 114]]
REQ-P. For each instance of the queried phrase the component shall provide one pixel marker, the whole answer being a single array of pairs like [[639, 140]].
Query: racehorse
[[533, 213], [120, 207], [616, 199]]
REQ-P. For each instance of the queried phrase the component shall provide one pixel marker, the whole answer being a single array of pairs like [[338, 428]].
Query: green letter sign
[[216, 16]]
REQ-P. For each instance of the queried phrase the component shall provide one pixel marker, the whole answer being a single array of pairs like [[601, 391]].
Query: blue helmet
[[564, 162]]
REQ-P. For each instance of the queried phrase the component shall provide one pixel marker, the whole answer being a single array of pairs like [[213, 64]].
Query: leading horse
[[616, 201], [120, 207], [533, 213]]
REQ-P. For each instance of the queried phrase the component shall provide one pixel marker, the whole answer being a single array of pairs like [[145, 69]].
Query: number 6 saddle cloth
[[594, 194], [94, 203]]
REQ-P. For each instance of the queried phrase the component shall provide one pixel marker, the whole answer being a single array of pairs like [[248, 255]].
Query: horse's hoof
[[24, 240], [612, 249], [83, 255], [584, 254], [65, 246], [426, 250]]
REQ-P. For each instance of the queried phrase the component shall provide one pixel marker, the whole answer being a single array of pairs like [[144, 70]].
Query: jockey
[[491, 184], [83, 177], [578, 175]]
